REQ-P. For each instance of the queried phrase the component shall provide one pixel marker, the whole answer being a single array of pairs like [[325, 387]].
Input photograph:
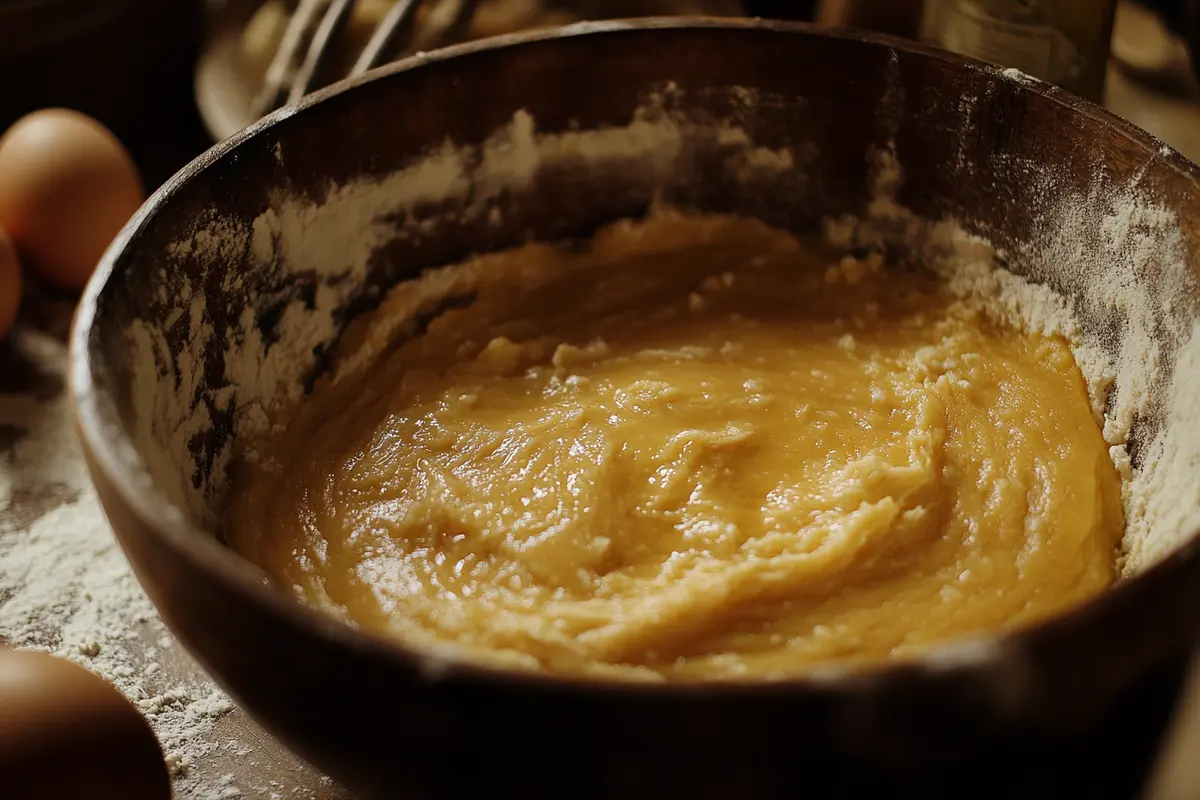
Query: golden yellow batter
[[697, 448]]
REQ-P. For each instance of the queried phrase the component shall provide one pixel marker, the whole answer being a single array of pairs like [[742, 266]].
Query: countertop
[[216, 750]]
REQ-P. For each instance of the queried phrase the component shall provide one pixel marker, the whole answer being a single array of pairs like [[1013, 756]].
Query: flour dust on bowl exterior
[[230, 291]]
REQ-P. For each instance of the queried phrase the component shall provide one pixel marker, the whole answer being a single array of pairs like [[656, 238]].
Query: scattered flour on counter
[[66, 588]]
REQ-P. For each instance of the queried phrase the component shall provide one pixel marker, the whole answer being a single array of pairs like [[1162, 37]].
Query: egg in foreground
[[66, 733]]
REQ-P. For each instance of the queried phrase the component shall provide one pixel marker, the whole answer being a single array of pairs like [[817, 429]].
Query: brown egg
[[10, 283], [66, 733], [67, 186]]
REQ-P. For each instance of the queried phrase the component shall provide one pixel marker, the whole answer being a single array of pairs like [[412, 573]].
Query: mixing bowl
[[231, 286]]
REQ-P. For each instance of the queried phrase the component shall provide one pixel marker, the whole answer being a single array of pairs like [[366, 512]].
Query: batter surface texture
[[697, 447]]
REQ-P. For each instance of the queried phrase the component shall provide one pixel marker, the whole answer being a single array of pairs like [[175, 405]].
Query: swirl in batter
[[696, 448]]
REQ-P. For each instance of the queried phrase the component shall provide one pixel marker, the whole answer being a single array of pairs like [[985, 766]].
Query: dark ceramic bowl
[[211, 268]]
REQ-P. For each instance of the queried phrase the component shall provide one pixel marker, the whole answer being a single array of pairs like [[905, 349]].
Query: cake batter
[[696, 448]]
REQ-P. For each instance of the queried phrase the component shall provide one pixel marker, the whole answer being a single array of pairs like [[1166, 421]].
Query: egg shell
[[67, 186], [10, 283], [66, 733]]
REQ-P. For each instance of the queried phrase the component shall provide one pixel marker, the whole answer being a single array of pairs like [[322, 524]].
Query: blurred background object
[[128, 63], [263, 54], [1065, 42], [1147, 48], [1062, 41], [1152, 77], [897, 17]]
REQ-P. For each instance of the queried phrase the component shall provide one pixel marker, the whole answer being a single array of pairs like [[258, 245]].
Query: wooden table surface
[[254, 766]]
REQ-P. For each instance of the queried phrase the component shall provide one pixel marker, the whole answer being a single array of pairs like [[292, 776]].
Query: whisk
[[313, 29]]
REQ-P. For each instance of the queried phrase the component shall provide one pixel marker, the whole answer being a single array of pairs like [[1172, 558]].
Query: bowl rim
[[972, 654]]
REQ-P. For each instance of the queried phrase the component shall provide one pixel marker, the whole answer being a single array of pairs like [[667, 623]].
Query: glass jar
[[1065, 42]]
